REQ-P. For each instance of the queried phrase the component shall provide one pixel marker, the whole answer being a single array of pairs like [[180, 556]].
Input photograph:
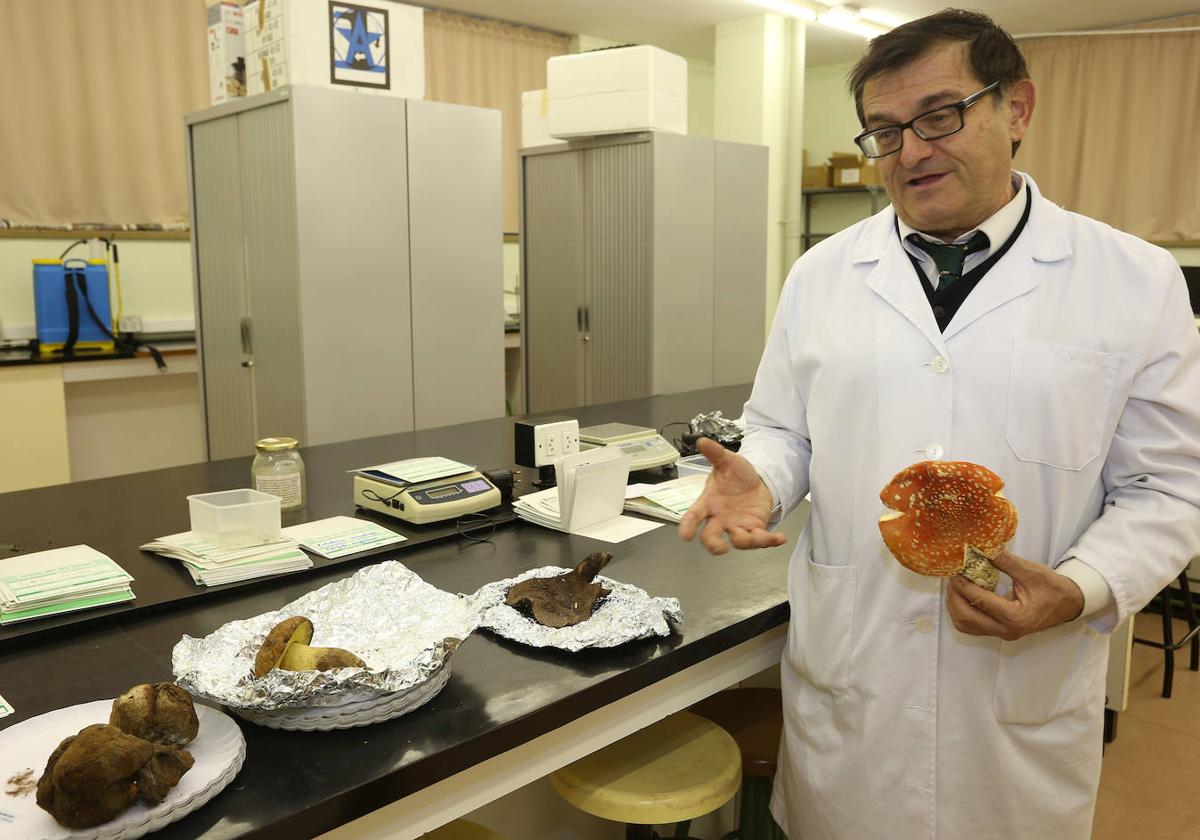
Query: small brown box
[[818, 177], [861, 174]]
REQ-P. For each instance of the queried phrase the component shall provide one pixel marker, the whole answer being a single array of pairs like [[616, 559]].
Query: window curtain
[[487, 63], [1115, 128], [91, 127]]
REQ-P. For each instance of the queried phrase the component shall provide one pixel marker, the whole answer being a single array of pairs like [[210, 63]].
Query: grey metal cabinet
[[643, 267], [347, 253]]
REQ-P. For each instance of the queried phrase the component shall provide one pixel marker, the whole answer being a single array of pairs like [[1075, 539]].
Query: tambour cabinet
[[644, 267], [348, 255]]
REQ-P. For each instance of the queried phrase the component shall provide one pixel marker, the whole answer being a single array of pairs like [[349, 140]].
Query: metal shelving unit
[[808, 237]]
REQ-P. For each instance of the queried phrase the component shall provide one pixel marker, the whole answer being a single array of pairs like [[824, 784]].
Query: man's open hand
[[1040, 598], [735, 502]]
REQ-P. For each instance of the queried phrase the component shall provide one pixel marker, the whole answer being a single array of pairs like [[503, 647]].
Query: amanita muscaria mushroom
[[950, 519]]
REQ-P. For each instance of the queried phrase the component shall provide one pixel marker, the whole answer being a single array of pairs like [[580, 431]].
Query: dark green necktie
[[949, 259]]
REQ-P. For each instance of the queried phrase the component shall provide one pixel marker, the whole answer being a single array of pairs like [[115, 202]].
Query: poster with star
[[359, 46]]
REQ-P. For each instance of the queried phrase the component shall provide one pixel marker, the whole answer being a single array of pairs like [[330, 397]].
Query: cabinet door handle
[[579, 318], [587, 319], [249, 363], [247, 342]]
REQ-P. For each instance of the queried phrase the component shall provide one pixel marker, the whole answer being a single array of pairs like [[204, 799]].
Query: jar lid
[[276, 444]]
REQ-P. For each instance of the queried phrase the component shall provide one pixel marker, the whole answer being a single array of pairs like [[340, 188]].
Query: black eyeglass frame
[[960, 106]]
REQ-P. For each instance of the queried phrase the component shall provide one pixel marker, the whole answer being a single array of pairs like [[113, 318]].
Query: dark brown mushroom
[[159, 712], [95, 775], [562, 600]]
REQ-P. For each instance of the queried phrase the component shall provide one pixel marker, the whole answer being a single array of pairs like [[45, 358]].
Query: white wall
[[156, 282], [701, 83], [829, 119]]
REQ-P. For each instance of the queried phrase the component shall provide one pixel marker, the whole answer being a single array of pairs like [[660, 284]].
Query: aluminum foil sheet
[[628, 613], [402, 627]]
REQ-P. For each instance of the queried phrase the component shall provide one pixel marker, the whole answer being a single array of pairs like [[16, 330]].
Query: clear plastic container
[[278, 469], [693, 465], [235, 518]]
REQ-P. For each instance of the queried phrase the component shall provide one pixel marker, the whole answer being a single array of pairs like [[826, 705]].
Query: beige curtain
[[91, 127], [488, 63], [1116, 127]]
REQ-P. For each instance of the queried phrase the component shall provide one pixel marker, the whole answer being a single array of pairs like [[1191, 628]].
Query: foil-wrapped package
[[627, 613], [402, 627], [718, 427]]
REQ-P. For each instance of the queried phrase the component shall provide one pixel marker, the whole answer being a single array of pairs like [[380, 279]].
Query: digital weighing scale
[[427, 501], [643, 444]]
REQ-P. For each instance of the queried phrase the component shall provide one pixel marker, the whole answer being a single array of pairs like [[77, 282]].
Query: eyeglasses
[[932, 125]]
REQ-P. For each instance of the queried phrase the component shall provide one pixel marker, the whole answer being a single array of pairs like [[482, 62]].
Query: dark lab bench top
[[500, 694]]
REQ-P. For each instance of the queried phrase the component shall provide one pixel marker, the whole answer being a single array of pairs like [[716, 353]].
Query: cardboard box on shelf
[[617, 90], [818, 177], [373, 46], [226, 53], [850, 170], [863, 175]]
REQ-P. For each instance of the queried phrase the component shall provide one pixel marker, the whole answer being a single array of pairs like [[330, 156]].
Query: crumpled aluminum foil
[[718, 427], [628, 613], [402, 627]]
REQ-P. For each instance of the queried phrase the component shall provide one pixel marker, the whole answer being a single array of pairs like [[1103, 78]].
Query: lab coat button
[[940, 365], [924, 625], [933, 452]]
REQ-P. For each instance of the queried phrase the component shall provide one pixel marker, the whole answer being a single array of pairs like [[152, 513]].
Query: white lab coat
[[1074, 373]]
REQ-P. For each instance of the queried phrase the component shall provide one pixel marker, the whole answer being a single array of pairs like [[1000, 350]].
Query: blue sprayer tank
[[52, 308]]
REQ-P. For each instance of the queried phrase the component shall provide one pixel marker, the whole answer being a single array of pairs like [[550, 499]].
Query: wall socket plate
[[130, 324]]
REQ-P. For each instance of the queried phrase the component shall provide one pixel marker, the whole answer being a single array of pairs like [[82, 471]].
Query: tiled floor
[[1150, 781]]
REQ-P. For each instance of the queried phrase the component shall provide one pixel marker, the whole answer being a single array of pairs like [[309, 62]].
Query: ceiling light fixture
[[847, 20], [784, 7], [882, 17]]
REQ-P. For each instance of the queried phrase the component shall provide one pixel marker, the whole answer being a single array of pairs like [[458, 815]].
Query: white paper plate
[[219, 750], [362, 713]]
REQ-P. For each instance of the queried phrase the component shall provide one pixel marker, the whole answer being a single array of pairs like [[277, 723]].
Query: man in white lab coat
[[1056, 351]]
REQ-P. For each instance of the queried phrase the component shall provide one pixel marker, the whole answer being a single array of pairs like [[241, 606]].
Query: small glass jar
[[278, 469]]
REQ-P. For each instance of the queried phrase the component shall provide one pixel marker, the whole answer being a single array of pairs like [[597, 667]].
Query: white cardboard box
[[226, 53], [617, 90], [535, 122], [372, 46]]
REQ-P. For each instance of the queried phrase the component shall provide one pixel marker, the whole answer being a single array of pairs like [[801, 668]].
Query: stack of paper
[[669, 500], [414, 470], [210, 565], [339, 536], [59, 581], [588, 498]]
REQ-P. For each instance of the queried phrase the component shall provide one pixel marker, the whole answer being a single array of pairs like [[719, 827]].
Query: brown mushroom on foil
[[562, 600], [286, 647], [159, 712], [93, 776]]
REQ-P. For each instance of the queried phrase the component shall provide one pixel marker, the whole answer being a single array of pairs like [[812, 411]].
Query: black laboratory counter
[[501, 697]]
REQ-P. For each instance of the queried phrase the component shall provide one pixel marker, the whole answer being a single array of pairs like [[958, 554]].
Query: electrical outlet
[[130, 324], [552, 445], [569, 443]]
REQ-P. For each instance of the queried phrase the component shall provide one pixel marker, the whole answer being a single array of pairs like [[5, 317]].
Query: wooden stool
[[462, 830], [670, 772], [754, 717]]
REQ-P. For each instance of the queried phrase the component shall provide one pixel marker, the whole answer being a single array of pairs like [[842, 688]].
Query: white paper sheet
[[618, 529], [6, 708], [339, 536]]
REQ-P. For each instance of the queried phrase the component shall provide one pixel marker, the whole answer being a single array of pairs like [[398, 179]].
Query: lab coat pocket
[[1058, 402], [822, 626], [1048, 673]]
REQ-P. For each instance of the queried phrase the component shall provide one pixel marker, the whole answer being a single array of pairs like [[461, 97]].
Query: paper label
[[286, 487], [848, 176]]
